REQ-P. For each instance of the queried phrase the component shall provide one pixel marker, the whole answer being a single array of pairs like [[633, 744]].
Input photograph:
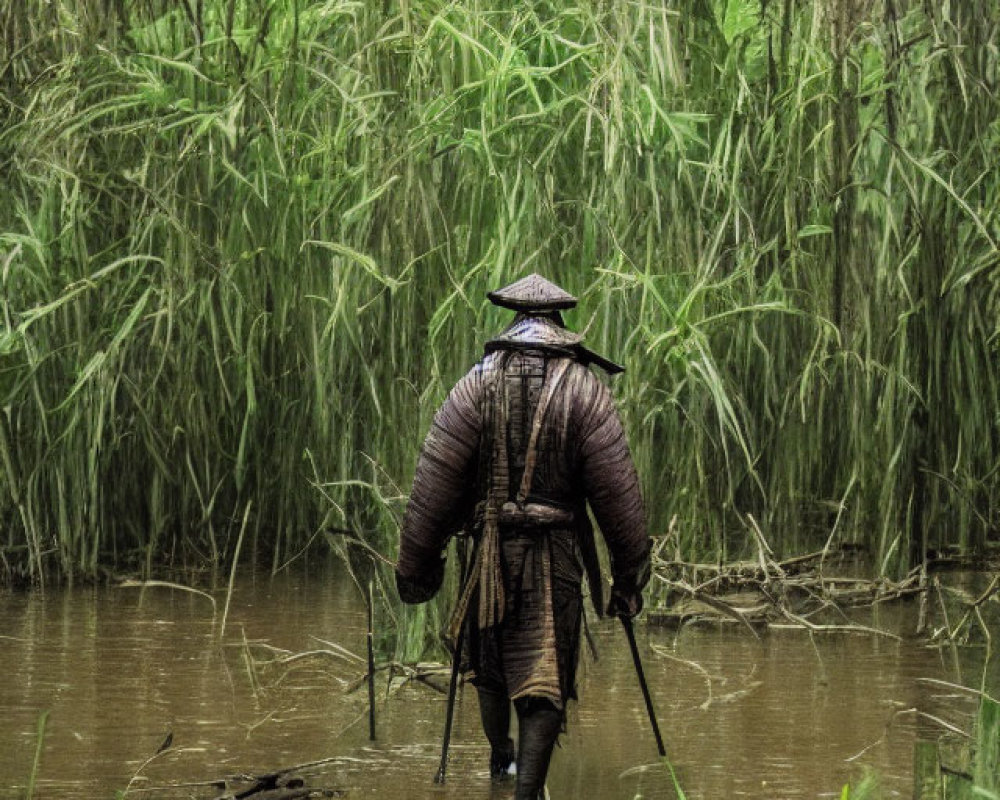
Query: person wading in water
[[521, 445]]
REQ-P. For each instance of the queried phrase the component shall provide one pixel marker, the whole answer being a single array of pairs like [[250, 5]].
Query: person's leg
[[539, 723], [494, 711]]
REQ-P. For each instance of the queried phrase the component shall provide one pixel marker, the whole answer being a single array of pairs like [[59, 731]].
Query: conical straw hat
[[532, 293]]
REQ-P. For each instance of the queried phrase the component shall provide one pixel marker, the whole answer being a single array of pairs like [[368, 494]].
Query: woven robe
[[581, 456]]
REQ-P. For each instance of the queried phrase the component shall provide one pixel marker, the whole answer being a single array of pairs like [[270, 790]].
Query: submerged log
[[287, 783]]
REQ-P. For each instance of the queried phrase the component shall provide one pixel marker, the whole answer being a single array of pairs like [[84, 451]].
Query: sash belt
[[534, 515]]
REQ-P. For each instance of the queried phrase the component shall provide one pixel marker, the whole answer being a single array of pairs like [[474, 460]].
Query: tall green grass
[[245, 245]]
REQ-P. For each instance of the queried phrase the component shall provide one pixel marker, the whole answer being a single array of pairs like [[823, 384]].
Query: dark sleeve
[[443, 488], [610, 482]]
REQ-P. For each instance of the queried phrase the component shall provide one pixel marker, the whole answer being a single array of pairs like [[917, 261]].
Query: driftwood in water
[[282, 784], [288, 783], [765, 593], [428, 673]]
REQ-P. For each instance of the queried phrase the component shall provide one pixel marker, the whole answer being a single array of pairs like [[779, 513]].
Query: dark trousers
[[539, 723]]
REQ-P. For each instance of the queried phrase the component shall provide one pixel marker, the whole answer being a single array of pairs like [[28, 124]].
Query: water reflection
[[119, 669]]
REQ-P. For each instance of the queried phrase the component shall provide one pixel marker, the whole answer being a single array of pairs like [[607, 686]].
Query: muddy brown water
[[117, 669]]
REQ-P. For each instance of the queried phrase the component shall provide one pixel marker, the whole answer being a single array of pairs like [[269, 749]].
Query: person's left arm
[[442, 487]]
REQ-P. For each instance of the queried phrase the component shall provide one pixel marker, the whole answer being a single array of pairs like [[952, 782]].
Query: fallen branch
[[792, 591], [281, 784], [661, 651], [711, 601], [801, 622], [128, 583], [899, 712], [423, 673], [340, 649]]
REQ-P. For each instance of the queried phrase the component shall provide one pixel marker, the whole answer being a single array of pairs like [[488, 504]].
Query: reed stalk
[[36, 763]]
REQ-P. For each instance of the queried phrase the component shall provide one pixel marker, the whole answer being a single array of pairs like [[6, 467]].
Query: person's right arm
[[612, 488]]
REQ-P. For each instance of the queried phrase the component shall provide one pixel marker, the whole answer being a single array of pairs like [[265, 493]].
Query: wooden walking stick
[[371, 662], [456, 664], [627, 624]]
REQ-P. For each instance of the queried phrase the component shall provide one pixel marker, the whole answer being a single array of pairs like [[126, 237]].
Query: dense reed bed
[[245, 245]]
